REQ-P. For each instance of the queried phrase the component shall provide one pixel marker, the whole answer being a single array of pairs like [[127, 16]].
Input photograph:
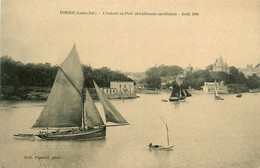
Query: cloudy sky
[[35, 31]]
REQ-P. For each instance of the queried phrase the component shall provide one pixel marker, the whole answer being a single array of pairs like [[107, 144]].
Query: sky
[[37, 32]]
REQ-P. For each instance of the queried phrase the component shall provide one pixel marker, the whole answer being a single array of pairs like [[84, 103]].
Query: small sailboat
[[217, 97], [70, 113], [161, 147], [177, 93]]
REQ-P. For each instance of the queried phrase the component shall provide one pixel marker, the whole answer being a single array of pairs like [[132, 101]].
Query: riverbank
[[42, 93], [24, 93]]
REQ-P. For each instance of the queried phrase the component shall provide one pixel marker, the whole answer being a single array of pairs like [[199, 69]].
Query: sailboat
[[177, 93], [217, 97], [161, 147], [70, 113]]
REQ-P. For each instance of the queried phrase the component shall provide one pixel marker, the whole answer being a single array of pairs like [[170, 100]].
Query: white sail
[[216, 91], [64, 105], [93, 117], [111, 113]]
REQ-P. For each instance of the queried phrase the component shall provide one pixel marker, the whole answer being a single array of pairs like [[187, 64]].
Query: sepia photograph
[[130, 84]]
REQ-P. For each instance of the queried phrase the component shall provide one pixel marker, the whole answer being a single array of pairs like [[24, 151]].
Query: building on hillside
[[209, 87], [250, 70], [220, 66], [257, 70], [109, 91], [120, 89], [167, 80]]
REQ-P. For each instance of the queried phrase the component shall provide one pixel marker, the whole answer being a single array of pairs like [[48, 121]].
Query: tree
[[153, 82], [233, 70], [163, 70], [197, 78], [253, 82], [15, 73], [209, 67], [235, 76], [218, 76]]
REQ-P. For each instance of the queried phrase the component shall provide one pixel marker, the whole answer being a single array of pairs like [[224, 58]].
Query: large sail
[[111, 113], [93, 117], [175, 90], [64, 105]]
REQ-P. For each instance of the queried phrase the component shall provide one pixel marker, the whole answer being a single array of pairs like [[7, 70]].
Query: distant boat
[[177, 93], [217, 97], [239, 95], [164, 100], [161, 147], [70, 113]]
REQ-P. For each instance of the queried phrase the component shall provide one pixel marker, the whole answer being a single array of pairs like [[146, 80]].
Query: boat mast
[[166, 130], [83, 109], [216, 89], [167, 134]]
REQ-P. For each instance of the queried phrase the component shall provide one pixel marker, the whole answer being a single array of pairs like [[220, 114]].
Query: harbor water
[[205, 133]]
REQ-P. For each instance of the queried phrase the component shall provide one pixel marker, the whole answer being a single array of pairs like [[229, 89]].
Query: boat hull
[[218, 98], [167, 148], [239, 95], [172, 99], [25, 136], [78, 135]]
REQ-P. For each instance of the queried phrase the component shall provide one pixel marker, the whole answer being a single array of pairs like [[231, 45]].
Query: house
[[250, 70], [120, 89], [209, 87]]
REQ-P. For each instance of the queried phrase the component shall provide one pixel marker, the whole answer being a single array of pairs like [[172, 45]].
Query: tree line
[[196, 79], [153, 74], [15, 73]]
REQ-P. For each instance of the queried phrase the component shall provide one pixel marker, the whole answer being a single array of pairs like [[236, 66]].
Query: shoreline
[[42, 93]]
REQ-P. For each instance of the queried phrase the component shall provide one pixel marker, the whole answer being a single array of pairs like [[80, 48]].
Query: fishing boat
[[239, 95], [70, 113], [161, 147], [164, 100], [217, 97], [177, 93]]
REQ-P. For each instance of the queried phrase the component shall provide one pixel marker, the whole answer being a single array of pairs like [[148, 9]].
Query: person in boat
[[90, 128], [153, 146]]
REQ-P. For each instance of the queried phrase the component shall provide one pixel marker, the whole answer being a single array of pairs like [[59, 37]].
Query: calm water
[[205, 133]]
